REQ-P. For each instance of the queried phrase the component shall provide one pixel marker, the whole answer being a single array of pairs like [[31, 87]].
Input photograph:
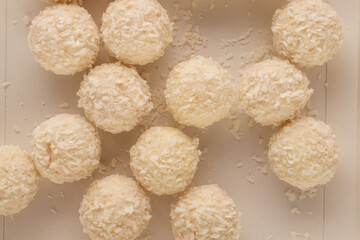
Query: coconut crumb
[[212, 4], [16, 129], [26, 20], [312, 113], [239, 164], [14, 22], [50, 196], [62, 194], [294, 235], [291, 195], [251, 179], [270, 237], [53, 210], [263, 169], [257, 158], [235, 129], [260, 140], [307, 236], [251, 122], [295, 210], [5, 84], [64, 105]]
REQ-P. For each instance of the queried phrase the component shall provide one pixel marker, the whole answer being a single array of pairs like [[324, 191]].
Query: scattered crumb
[[64, 105], [49, 116], [306, 236], [113, 162], [16, 129], [295, 211], [251, 179], [309, 213], [249, 14], [145, 75], [294, 235], [5, 84], [270, 237], [260, 140], [291, 195], [146, 237], [14, 21], [257, 158], [27, 20], [212, 4], [251, 122], [21, 104], [53, 210], [239, 164], [263, 169], [311, 192], [312, 113], [235, 129], [302, 195], [43, 103], [62, 194], [50, 196]]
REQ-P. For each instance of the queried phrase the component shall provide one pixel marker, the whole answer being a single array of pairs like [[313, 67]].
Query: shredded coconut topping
[[64, 39], [304, 153], [66, 148], [164, 160], [205, 213], [308, 32], [114, 97]]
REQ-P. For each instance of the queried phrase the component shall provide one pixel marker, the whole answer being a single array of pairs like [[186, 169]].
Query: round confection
[[164, 160], [205, 213], [136, 31], [62, 1], [114, 207], [273, 91], [64, 39], [19, 180], [308, 32], [66, 148], [114, 97], [199, 92], [304, 153]]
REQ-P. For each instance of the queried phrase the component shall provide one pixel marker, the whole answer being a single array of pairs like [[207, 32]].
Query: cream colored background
[[265, 208]]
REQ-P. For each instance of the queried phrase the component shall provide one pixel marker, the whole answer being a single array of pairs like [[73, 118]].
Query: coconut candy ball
[[273, 91], [114, 97], [66, 148], [63, 1], [308, 32], [19, 181], [164, 160], [199, 92], [136, 31], [114, 207], [304, 153], [205, 213], [64, 39]]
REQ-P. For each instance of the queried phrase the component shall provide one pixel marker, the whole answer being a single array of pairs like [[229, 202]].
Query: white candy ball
[[205, 213], [199, 92], [114, 97], [19, 180], [64, 39], [304, 153], [273, 91], [136, 31], [114, 207], [66, 148], [164, 160], [307, 32]]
